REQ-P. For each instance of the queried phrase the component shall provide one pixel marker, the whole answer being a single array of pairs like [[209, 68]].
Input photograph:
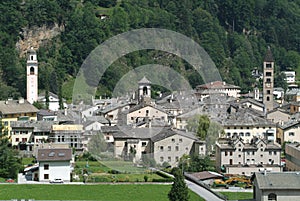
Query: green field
[[237, 195], [109, 192]]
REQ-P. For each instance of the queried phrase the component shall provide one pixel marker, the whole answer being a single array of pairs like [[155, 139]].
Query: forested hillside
[[235, 33]]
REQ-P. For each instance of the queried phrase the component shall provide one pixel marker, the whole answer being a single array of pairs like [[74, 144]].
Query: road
[[203, 192], [199, 190]]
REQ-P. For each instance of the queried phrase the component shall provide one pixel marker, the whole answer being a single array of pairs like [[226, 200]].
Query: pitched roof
[[16, 107], [269, 56], [144, 80], [38, 126], [278, 180], [54, 154], [217, 85]]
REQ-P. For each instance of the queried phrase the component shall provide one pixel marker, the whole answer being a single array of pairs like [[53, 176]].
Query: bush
[[145, 178], [163, 180]]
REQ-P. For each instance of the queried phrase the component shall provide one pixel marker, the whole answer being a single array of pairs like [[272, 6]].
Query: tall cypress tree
[[179, 190]]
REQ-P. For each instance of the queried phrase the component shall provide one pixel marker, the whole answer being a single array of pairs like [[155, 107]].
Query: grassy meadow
[[101, 192]]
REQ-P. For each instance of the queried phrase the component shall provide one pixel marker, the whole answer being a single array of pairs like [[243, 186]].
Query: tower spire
[[32, 76]]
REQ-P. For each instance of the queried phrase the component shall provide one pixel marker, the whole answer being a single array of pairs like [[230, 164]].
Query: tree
[[97, 145], [10, 164], [179, 190]]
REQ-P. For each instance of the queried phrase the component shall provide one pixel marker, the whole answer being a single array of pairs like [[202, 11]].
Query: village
[[259, 139]]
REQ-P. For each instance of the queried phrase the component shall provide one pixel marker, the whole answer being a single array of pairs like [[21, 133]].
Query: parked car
[[56, 181]]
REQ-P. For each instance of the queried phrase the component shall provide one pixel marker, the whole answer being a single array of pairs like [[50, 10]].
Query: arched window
[[31, 70], [272, 196], [145, 91]]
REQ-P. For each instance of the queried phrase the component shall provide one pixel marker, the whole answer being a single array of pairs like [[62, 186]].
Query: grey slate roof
[[144, 80], [38, 126], [269, 56], [14, 107], [155, 133], [278, 180], [58, 154]]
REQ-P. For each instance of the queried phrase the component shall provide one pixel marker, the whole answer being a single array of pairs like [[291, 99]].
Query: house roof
[[153, 133], [278, 180], [289, 124], [16, 107], [206, 175], [168, 132], [217, 85], [54, 154], [37, 126]]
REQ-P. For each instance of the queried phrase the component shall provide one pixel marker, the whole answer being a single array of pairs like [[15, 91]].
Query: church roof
[[269, 56], [144, 80]]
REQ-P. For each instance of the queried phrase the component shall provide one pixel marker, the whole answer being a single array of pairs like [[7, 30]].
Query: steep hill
[[236, 35]]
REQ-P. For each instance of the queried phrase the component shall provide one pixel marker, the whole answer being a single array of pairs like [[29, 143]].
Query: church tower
[[268, 81], [32, 76], [144, 90]]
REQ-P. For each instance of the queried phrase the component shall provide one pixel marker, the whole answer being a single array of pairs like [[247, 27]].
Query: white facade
[[290, 77], [146, 112], [171, 149], [32, 77], [54, 170]]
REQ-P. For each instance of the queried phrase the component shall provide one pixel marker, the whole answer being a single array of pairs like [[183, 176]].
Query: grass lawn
[[237, 195], [110, 192]]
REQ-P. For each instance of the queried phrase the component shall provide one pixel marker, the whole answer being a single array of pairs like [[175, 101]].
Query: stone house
[[163, 144], [289, 132], [235, 156], [145, 113], [277, 186], [292, 154]]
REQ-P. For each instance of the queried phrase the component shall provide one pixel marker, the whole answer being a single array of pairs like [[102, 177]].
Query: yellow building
[[16, 110]]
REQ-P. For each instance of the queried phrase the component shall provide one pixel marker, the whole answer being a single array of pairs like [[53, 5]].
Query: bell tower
[[268, 81], [32, 76], [144, 90]]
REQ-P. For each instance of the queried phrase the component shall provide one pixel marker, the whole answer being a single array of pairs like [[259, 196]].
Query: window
[[231, 153], [291, 134], [177, 158], [248, 153], [173, 140], [169, 148], [240, 149], [239, 155], [161, 159], [31, 70], [247, 134], [161, 148], [272, 196], [17, 139], [228, 134], [46, 176], [268, 91], [180, 140], [226, 153], [169, 159], [177, 148], [268, 65], [268, 80], [261, 155], [270, 152], [144, 144], [275, 152], [269, 74], [253, 152], [46, 166]]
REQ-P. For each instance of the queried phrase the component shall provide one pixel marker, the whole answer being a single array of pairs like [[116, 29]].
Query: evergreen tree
[[10, 164], [179, 190]]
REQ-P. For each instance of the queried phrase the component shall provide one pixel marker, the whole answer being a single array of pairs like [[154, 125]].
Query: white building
[[54, 164]]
